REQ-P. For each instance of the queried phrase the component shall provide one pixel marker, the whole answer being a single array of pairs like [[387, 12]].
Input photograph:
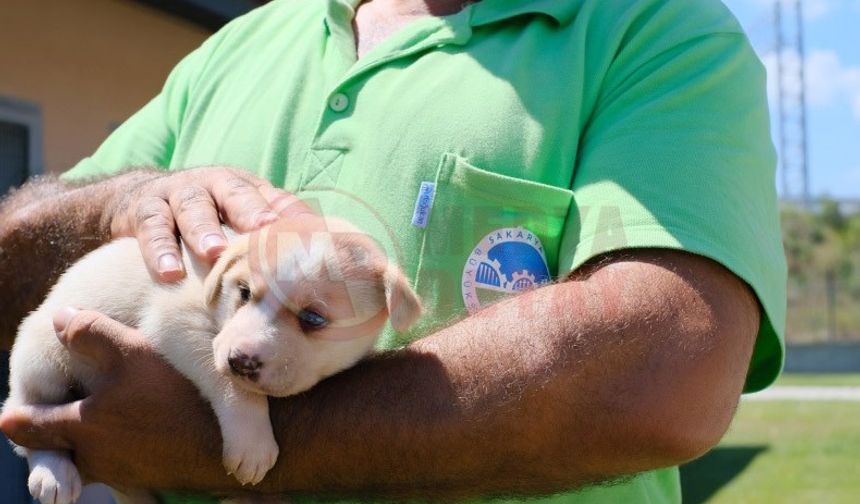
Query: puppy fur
[[233, 331]]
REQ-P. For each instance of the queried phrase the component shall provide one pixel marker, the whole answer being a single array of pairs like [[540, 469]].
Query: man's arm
[[633, 364], [45, 226]]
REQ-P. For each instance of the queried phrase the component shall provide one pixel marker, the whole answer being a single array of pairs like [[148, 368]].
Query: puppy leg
[[35, 379], [54, 479], [250, 449]]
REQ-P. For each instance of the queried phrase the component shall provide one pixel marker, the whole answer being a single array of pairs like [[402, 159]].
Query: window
[[20, 142]]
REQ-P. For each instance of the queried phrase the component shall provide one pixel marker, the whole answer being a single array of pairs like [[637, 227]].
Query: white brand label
[[423, 204]]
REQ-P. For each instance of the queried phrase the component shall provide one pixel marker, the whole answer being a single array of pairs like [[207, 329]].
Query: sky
[[832, 40]]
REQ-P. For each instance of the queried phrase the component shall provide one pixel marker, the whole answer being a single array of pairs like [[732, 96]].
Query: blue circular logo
[[504, 262]]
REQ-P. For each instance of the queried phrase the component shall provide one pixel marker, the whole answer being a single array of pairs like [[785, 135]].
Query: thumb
[[41, 427], [96, 337]]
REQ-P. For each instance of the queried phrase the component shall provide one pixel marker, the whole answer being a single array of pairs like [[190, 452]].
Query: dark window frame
[[29, 115]]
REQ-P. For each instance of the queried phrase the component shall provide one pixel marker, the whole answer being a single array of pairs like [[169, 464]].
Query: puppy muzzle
[[244, 365]]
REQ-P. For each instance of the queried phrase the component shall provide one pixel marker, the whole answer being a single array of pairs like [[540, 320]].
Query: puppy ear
[[228, 258], [404, 306]]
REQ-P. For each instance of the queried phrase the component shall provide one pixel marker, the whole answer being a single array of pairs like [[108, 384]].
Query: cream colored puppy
[[279, 311]]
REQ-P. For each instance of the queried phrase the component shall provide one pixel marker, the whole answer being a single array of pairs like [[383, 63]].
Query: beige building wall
[[89, 64]]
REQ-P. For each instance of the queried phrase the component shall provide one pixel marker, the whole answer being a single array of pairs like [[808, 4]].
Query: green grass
[[784, 452]]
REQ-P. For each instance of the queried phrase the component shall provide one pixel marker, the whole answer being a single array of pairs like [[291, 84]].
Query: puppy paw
[[55, 481], [249, 456]]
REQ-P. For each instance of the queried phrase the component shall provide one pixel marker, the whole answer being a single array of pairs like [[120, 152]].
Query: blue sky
[[833, 85]]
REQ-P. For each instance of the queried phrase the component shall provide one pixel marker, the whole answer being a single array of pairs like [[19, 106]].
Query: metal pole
[[803, 145], [786, 189]]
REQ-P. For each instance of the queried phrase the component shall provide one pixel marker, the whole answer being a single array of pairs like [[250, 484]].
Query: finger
[[198, 222], [260, 183], [41, 427], [156, 232], [102, 341], [242, 205], [284, 203]]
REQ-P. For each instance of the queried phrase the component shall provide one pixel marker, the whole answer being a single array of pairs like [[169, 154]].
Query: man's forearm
[[633, 365], [44, 227], [559, 388]]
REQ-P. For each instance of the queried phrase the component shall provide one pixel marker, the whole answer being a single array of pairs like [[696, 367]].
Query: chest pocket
[[487, 236]]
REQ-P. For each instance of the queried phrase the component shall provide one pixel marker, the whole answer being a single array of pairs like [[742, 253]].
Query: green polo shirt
[[495, 149]]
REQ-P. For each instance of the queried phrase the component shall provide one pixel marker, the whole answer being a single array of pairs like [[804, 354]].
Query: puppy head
[[301, 300]]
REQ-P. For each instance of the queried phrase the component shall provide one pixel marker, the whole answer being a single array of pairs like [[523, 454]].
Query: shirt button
[[338, 102]]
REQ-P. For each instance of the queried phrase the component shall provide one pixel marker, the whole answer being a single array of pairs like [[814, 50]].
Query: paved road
[[806, 393]]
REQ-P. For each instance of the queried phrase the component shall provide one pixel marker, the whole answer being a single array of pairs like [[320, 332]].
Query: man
[[621, 147]]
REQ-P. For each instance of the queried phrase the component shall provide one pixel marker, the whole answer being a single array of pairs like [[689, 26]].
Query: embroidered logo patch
[[504, 262]]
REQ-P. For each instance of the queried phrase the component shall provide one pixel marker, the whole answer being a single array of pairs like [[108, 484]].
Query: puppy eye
[[311, 320], [244, 293]]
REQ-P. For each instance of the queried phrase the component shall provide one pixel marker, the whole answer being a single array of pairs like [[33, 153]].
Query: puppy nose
[[242, 364]]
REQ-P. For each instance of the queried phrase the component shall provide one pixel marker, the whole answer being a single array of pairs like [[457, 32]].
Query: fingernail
[[264, 217], [212, 241], [168, 263], [62, 319]]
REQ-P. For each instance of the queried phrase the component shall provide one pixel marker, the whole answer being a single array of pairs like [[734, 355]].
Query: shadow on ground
[[702, 478]]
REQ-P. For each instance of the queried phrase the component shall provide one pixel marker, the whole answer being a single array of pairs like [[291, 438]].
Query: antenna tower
[[791, 85]]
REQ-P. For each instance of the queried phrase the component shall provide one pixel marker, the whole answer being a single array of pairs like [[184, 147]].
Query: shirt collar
[[491, 11], [486, 12]]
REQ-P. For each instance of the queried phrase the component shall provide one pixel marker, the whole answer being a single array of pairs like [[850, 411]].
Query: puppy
[[279, 311]]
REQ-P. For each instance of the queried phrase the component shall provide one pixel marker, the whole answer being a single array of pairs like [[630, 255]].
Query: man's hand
[[192, 203], [48, 224], [135, 424]]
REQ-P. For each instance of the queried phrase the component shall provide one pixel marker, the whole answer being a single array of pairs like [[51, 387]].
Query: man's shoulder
[[666, 16], [275, 20], [253, 39], [277, 11], [633, 32]]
